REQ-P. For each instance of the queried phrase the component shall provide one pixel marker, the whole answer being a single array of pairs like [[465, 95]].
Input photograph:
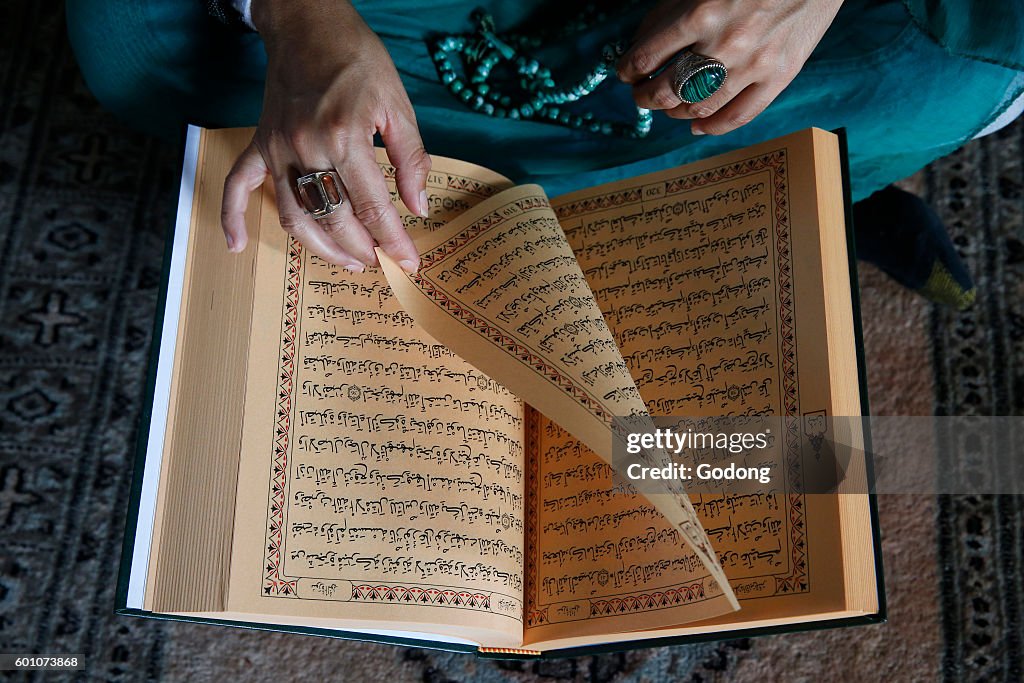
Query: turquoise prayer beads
[[538, 96]]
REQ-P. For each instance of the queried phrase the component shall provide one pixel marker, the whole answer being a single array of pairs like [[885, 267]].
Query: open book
[[427, 458]]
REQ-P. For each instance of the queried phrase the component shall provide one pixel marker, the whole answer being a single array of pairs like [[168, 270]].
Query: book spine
[[508, 653]]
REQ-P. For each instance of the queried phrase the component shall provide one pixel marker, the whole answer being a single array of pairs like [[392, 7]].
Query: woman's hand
[[763, 44], [330, 86]]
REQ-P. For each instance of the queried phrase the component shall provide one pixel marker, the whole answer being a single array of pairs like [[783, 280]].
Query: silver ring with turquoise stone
[[697, 77]]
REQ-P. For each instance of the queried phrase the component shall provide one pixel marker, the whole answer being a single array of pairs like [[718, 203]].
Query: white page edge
[[165, 365]]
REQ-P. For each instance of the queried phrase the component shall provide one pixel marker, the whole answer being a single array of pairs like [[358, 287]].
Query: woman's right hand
[[764, 44], [331, 85]]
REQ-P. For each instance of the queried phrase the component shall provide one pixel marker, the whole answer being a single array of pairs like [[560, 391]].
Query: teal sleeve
[[880, 71], [989, 31]]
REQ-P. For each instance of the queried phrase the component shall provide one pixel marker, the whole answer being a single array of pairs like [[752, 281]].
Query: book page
[[695, 271], [501, 287], [382, 477]]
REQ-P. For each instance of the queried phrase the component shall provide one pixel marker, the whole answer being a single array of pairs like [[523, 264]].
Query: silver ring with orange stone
[[320, 193]]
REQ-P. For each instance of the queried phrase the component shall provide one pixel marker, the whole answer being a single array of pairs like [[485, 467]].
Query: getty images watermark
[[677, 442], [820, 454]]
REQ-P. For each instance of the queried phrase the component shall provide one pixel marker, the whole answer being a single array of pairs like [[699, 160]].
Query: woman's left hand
[[763, 44]]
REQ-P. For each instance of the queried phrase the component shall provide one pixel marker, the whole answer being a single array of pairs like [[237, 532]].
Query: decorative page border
[[648, 602], [797, 581], [274, 583], [458, 183], [533, 613], [416, 595]]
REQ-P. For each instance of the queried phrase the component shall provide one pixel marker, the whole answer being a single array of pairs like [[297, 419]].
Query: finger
[[658, 92], [732, 87], [741, 110], [300, 225], [248, 173], [372, 204], [412, 163], [344, 229], [673, 31]]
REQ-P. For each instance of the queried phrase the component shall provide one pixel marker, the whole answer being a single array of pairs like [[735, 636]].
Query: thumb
[[248, 173]]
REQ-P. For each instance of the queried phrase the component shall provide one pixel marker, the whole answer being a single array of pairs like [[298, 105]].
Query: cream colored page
[[694, 272], [382, 476], [501, 287]]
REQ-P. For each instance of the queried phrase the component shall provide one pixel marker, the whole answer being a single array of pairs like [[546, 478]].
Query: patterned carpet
[[83, 206]]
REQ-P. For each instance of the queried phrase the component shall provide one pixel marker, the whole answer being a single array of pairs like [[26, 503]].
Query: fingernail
[[409, 266], [230, 240], [424, 208], [696, 131], [355, 267]]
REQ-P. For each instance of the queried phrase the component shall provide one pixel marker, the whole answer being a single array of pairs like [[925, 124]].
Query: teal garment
[[904, 98], [990, 31]]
